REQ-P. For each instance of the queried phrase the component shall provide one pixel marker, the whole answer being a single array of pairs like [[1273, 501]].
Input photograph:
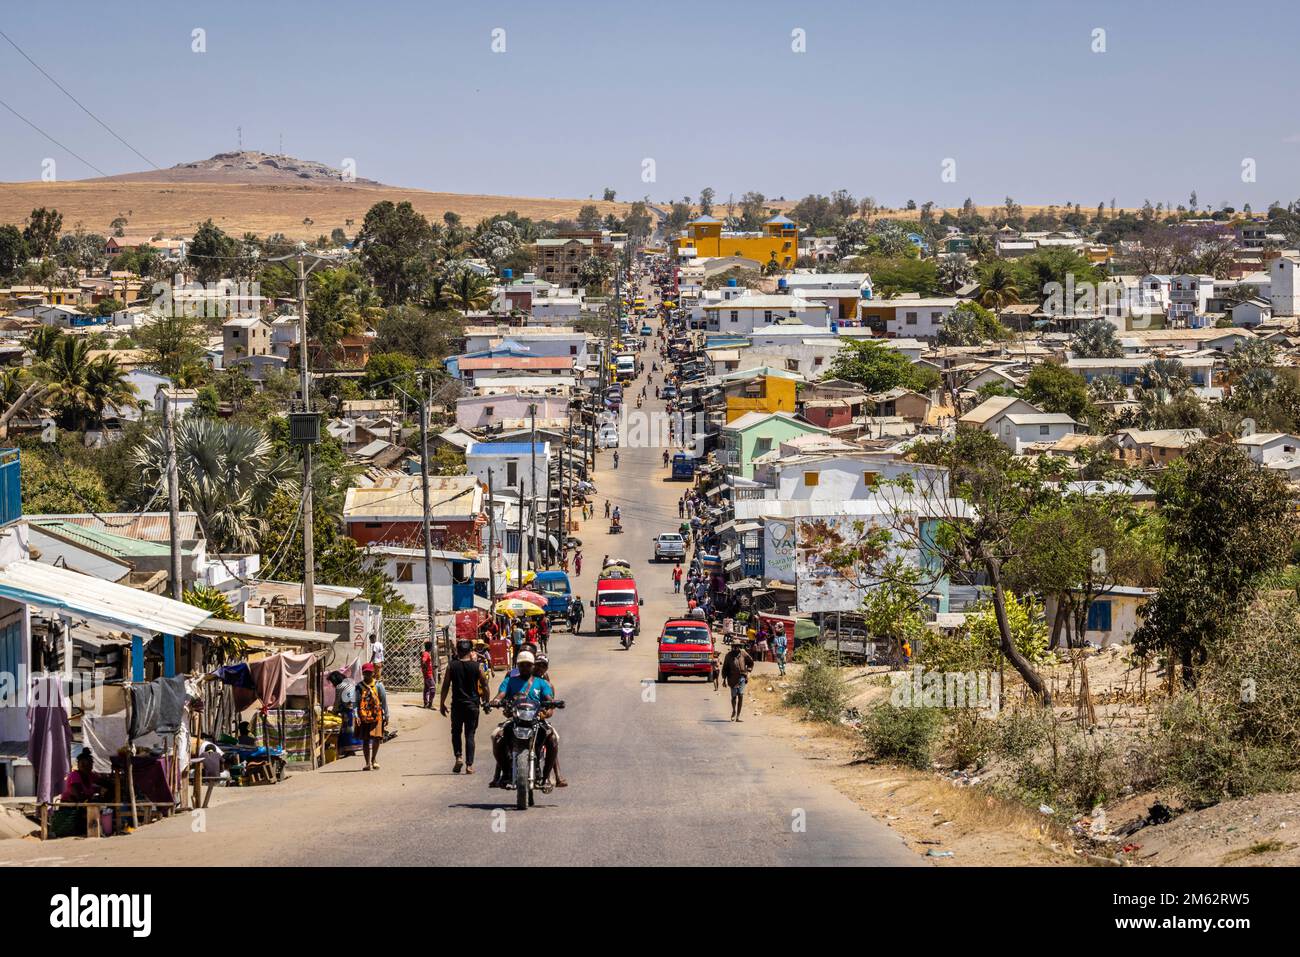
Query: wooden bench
[[150, 811]]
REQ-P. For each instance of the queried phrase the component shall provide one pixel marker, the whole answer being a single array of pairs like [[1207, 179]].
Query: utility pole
[[519, 567], [308, 545], [492, 547], [173, 497], [312, 435], [428, 541], [532, 472]]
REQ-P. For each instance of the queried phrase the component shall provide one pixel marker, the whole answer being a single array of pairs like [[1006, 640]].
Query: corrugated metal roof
[[109, 543], [57, 588], [146, 526], [450, 496]]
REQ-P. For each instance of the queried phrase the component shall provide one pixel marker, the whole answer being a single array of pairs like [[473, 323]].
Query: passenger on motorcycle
[[543, 670], [521, 682]]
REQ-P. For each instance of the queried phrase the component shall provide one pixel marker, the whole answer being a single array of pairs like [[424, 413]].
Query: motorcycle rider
[[543, 670], [575, 614], [520, 683], [629, 624]]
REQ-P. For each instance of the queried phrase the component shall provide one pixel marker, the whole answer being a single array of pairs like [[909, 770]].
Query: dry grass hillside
[[253, 192]]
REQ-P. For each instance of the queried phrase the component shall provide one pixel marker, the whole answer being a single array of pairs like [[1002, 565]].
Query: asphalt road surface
[[658, 773]]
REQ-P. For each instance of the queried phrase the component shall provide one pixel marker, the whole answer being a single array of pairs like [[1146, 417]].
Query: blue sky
[[711, 91]]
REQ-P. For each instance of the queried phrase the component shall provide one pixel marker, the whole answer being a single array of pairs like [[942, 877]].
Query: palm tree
[[998, 289], [81, 388], [1163, 379], [470, 291], [1096, 339], [42, 341], [228, 475]]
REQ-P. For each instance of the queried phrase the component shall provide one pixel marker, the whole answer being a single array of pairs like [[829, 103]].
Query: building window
[[512, 473], [735, 315], [1099, 616], [811, 479], [911, 319], [869, 479], [1044, 430], [405, 572]]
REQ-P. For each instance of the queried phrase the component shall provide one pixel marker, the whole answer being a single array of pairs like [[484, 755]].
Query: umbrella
[[524, 594], [517, 608]]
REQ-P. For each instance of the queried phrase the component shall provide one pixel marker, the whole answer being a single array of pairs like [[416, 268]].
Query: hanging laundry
[[49, 736], [172, 697], [105, 735]]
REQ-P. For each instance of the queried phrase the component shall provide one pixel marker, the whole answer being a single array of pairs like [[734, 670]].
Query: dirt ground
[[949, 824], [937, 813]]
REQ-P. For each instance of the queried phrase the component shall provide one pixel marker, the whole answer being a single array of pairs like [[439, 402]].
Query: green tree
[[41, 234], [82, 389], [395, 243], [13, 250], [998, 288], [970, 324], [1096, 339], [1227, 525], [878, 368], [212, 254], [1054, 388], [228, 475], [469, 291]]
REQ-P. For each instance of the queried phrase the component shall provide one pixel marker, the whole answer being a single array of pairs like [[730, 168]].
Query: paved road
[[659, 773]]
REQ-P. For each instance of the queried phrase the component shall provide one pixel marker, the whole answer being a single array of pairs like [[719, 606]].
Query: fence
[[404, 639]]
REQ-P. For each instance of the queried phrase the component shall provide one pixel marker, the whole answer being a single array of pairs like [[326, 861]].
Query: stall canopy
[[246, 629], [47, 586]]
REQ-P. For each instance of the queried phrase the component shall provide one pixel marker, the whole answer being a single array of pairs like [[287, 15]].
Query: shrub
[[970, 738], [1199, 756], [819, 688], [1021, 731], [905, 735], [1078, 773]]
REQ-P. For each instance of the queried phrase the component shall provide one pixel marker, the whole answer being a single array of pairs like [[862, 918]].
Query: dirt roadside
[[950, 825]]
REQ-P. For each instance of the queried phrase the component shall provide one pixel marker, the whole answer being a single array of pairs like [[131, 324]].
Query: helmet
[[525, 657], [543, 660]]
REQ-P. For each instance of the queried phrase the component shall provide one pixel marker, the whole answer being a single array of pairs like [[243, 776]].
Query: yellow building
[[758, 390], [779, 240]]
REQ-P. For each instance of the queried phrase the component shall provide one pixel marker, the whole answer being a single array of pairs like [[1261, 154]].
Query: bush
[[1083, 771], [1198, 756], [905, 735], [970, 738], [1021, 731], [819, 687]]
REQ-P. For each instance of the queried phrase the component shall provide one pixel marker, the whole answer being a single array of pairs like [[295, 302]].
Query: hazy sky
[[711, 91]]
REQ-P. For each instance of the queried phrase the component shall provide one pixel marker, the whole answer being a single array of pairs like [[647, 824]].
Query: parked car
[[671, 546]]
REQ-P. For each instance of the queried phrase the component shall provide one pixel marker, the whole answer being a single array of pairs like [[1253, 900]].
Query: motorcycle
[[615, 527], [628, 635], [527, 760]]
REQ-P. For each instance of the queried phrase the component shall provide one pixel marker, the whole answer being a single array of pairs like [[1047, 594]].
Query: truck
[[686, 648], [559, 594], [615, 597], [683, 467]]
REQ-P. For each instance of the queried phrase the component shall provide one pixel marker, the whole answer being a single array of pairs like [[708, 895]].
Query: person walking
[[469, 692], [681, 504], [616, 458], [426, 666], [577, 562], [372, 715], [677, 579], [779, 647], [735, 672], [607, 508], [517, 638]]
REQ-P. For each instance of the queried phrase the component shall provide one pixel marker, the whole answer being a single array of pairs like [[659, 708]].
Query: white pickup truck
[[671, 546]]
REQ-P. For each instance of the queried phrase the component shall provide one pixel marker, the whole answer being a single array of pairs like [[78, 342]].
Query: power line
[[83, 107], [52, 139]]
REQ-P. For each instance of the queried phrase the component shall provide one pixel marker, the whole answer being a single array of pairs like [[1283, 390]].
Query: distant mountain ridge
[[245, 166]]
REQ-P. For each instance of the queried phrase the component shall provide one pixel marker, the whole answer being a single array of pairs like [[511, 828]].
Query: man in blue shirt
[[522, 682]]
